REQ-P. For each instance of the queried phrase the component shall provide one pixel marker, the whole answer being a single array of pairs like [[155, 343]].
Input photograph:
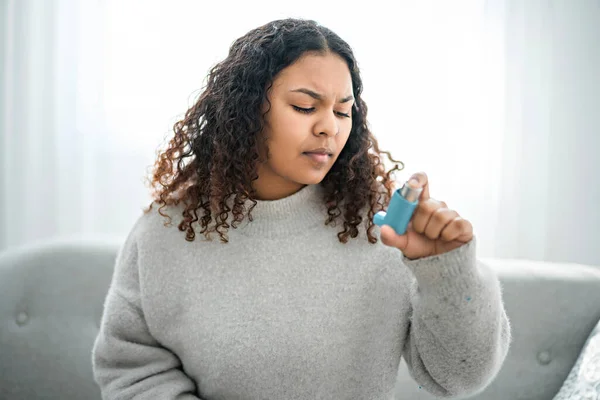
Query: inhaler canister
[[400, 210]]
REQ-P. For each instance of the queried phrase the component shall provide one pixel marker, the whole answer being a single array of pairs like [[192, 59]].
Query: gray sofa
[[51, 297]]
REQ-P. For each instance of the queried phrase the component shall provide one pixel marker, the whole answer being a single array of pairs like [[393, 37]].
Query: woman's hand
[[433, 229]]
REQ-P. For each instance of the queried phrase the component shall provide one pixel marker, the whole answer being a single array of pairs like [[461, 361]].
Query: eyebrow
[[318, 96]]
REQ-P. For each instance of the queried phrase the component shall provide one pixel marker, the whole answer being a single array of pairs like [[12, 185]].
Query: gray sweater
[[286, 311]]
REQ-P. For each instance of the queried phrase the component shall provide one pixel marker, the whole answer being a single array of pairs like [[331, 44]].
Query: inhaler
[[400, 210]]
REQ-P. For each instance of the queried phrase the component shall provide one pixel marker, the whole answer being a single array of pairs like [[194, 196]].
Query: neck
[[271, 186]]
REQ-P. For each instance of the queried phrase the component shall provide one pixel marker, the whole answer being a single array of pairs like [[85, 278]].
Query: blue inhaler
[[400, 210]]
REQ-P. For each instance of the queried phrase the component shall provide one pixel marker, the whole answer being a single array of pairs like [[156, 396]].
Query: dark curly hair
[[215, 150]]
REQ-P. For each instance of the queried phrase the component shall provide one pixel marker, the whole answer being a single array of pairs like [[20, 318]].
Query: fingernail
[[413, 182]]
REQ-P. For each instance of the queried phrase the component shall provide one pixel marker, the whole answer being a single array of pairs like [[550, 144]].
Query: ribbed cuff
[[452, 275]]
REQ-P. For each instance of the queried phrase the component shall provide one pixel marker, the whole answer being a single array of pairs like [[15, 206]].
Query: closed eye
[[310, 110], [304, 110]]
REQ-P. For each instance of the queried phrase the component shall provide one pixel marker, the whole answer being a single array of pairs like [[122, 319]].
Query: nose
[[327, 125]]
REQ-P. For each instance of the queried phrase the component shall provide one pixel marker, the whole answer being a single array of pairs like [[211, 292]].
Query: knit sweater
[[286, 311]]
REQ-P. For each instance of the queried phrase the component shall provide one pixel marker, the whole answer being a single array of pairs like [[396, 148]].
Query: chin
[[314, 181], [311, 179]]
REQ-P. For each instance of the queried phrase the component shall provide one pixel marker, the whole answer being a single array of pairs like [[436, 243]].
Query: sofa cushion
[[51, 297]]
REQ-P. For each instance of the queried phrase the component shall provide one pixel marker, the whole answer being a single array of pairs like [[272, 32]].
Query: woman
[[273, 156]]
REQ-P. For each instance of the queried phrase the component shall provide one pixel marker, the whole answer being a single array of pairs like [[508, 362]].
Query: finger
[[389, 237], [421, 180], [423, 213], [458, 229], [438, 221]]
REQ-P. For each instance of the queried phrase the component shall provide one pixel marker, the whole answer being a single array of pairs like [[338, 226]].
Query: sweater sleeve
[[459, 333], [128, 363]]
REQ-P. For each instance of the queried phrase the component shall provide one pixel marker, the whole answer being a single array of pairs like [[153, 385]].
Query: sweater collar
[[291, 215]]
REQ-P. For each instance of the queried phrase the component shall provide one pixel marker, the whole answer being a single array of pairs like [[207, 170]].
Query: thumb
[[389, 237]]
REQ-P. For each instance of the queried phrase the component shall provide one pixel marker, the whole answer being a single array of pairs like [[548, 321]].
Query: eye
[[310, 110], [304, 110]]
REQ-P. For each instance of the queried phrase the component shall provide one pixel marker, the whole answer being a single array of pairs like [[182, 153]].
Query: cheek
[[284, 146], [342, 138], [287, 135]]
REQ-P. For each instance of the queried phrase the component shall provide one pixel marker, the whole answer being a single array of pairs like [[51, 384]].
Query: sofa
[[52, 293]]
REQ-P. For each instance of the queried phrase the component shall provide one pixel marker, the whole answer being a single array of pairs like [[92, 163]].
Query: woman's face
[[307, 126]]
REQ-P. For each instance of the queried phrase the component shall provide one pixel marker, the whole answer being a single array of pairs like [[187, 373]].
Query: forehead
[[324, 73]]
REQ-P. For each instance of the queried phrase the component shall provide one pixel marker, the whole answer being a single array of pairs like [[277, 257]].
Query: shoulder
[[158, 227], [147, 237]]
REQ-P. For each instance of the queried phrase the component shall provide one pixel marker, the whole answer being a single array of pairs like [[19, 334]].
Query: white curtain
[[496, 100]]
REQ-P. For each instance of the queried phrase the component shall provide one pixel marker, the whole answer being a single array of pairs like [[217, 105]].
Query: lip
[[320, 150], [319, 158]]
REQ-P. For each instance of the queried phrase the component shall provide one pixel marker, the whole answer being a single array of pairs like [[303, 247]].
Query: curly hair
[[215, 150]]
